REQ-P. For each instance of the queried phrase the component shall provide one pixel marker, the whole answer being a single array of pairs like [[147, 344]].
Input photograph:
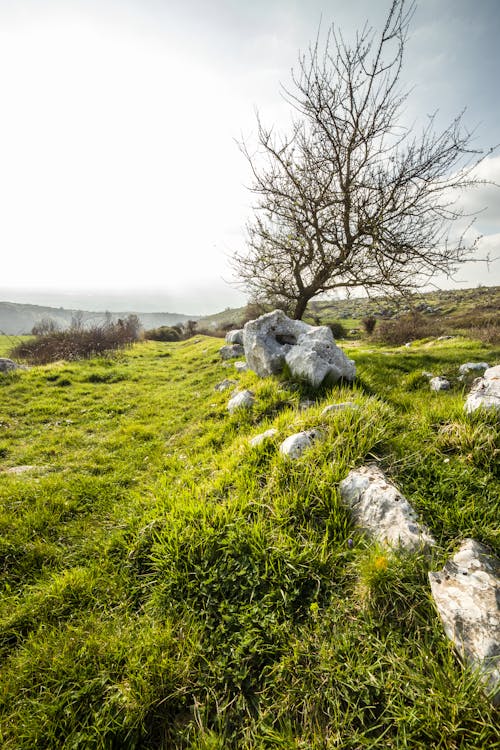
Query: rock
[[263, 437], [485, 391], [310, 352], [231, 350], [21, 469], [306, 404], [439, 384], [8, 365], [235, 336], [224, 385], [444, 338], [427, 374], [467, 595], [242, 400], [381, 511], [241, 366], [295, 445], [331, 408], [472, 367]]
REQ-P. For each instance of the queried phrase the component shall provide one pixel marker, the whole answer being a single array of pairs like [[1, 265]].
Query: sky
[[121, 179]]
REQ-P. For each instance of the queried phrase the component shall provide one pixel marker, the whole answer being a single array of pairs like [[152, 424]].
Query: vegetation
[[350, 197], [167, 586], [50, 344]]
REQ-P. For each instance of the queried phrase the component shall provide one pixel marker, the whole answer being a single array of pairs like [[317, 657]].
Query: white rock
[[231, 350], [467, 596], [331, 408], [242, 400], [472, 367], [241, 366], [235, 336], [295, 445], [439, 384], [224, 385], [267, 435], [485, 391], [381, 511], [310, 352], [427, 374]]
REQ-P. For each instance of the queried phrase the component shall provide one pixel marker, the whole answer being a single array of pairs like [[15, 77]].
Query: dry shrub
[[488, 334], [405, 328], [79, 343]]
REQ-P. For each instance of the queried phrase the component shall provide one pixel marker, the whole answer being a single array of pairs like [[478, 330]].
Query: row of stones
[[466, 592]]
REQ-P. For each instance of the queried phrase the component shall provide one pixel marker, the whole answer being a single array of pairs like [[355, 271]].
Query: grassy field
[[165, 585]]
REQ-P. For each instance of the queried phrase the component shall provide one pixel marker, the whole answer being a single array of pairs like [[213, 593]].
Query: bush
[[79, 343], [338, 330], [369, 324], [408, 327], [163, 333]]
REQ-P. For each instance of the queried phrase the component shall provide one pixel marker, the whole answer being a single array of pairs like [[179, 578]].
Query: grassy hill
[[165, 585]]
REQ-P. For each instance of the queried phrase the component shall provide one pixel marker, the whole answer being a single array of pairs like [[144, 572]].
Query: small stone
[[439, 384], [8, 365], [295, 445], [241, 366], [21, 469], [242, 400], [263, 437], [472, 367], [224, 385], [332, 408], [467, 595], [231, 350]]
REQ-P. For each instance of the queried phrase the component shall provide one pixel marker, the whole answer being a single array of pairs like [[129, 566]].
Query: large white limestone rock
[[310, 352], [467, 596], [235, 336], [485, 391], [295, 445], [381, 511]]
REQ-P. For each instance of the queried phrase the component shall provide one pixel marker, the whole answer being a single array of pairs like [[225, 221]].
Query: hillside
[[17, 319], [165, 585]]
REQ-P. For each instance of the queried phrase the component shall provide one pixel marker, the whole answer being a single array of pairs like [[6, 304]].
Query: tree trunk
[[300, 307]]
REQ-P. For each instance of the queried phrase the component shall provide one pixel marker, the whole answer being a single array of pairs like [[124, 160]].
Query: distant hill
[[17, 318]]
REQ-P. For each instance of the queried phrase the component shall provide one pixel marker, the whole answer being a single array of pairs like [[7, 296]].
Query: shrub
[[79, 343], [338, 330], [163, 333], [369, 324], [409, 327]]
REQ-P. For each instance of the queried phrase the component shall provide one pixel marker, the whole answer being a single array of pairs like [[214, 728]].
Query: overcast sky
[[118, 163]]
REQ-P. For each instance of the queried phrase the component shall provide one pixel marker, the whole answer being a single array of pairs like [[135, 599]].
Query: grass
[[165, 585]]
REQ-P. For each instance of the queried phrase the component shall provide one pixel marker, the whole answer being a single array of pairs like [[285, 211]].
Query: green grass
[[165, 585]]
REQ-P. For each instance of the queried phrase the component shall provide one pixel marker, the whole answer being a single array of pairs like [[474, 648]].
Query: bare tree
[[350, 197]]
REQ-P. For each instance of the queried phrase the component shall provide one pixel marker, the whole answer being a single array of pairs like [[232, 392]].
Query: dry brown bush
[[79, 343], [406, 328]]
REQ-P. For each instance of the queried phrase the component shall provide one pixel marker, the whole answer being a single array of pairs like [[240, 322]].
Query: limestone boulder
[[235, 336], [231, 351], [467, 597], [310, 352], [295, 445], [242, 400], [485, 391], [381, 511]]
